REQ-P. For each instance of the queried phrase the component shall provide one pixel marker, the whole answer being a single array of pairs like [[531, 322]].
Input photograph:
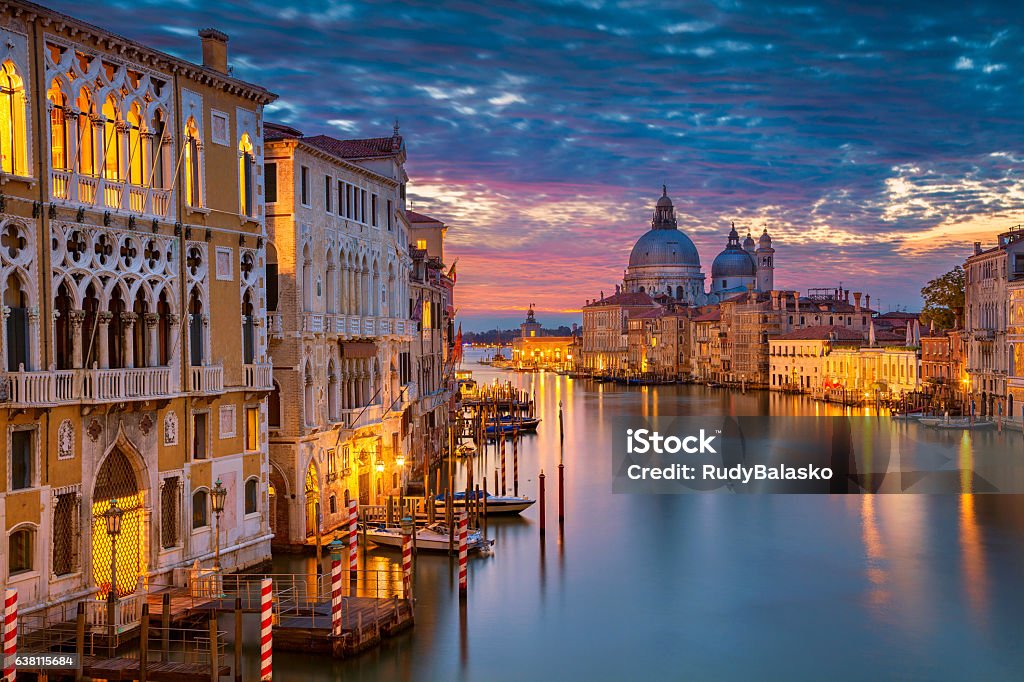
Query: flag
[[451, 271], [457, 350], [417, 310]]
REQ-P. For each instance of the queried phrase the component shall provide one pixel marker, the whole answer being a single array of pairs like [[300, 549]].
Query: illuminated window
[[252, 430], [251, 495], [111, 141], [421, 244], [19, 548], [136, 155], [59, 140], [200, 514], [86, 140], [246, 160], [13, 145], [426, 315], [156, 148], [193, 149]]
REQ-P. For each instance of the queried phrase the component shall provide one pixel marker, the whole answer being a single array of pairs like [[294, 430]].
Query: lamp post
[[217, 495], [380, 474], [112, 516]]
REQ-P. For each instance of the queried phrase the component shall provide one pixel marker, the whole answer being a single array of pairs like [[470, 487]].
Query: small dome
[[733, 262], [664, 247], [748, 243], [765, 241], [663, 200]]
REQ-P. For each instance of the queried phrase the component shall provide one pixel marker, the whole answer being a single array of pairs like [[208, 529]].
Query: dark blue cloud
[[864, 121]]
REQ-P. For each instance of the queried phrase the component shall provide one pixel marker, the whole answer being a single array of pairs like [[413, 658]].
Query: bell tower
[[765, 259]]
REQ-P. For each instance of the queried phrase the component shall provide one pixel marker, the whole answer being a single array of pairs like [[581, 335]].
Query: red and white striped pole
[[336, 600], [353, 537], [266, 630], [463, 555], [407, 531], [515, 462], [10, 633]]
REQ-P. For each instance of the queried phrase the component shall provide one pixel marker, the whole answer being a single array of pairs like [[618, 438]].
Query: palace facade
[[134, 357]]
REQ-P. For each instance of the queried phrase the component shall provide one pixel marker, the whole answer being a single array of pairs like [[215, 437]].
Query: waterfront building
[[605, 330], [434, 354], [133, 347], [339, 301], [830, 359], [706, 348], [986, 296], [532, 348]]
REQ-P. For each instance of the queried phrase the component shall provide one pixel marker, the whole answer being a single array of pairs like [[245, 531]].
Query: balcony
[[313, 323], [206, 379], [36, 389], [360, 417], [276, 325], [259, 376], [102, 193]]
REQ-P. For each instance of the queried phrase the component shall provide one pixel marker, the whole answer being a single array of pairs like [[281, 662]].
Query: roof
[[823, 332], [415, 217], [631, 298], [898, 315], [646, 314], [713, 316], [371, 147]]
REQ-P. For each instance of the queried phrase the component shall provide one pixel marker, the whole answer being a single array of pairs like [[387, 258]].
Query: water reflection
[[714, 586]]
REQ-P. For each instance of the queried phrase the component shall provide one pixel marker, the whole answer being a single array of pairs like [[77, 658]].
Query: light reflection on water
[[711, 586]]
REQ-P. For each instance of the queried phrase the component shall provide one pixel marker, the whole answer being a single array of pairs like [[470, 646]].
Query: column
[[128, 331], [152, 331], [5, 312], [102, 338], [33, 339], [174, 347], [76, 318]]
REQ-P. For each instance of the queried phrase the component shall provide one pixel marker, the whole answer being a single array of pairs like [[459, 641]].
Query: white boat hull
[[425, 539]]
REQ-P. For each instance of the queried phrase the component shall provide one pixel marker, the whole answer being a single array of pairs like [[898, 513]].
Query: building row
[[827, 342], [194, 300]]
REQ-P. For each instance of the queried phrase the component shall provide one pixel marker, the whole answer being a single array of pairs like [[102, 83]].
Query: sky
[[876, 142]]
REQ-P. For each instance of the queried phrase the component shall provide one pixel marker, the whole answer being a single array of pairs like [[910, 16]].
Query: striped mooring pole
[[353, 536], [463, 555], [10, 633], [515, 462], [504, 490], [336, 600], [407, 531], [266, 630]]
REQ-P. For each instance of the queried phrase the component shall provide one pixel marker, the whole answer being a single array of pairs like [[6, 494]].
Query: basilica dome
[[734, 261], [664, 247]]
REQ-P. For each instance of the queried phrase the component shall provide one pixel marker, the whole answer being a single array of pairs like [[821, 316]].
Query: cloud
[[876, 145]]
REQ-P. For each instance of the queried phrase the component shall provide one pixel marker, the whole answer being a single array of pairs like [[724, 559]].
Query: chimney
[[856, 302], [775, 300], [215, 49], [796, 301], [847, 295], [867, 301], [977, 248]]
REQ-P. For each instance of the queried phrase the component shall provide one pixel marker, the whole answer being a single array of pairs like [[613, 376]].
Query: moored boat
[[496, 504], [434, 538]]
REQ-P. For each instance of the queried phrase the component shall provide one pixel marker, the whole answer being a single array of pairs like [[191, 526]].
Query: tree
[[944, 299]]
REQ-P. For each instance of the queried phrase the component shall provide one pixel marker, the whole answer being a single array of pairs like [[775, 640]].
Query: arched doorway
[[312, 490], [117, 480], [279, 507]]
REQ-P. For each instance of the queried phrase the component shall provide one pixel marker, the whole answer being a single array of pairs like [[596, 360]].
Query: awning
[[358, 349]]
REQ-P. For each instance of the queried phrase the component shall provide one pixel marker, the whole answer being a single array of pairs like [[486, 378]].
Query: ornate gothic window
[[13, 135], [60, 141], [136, 158], [193, 149], [246, 163], [111, 141], [86, 140]]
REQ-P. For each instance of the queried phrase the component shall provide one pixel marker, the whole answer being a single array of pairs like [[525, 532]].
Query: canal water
[[708, 586]]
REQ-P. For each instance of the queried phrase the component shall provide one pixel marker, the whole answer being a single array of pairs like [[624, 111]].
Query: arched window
[[115, 331], [246, 163], [20, 550], [16, 332], [274, 407], [136, 157], [86, 140], [111, 141], [251, 496], [140, 331], [13, 137], [156, 149], [163, 309], [200, 513], [248, 329], [332, 393], [193, 186], [63, 329], [307, 279], [196, 333], [308, 402], [60, 142]]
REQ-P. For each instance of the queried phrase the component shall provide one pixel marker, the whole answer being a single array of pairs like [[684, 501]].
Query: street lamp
[[112, 516], [217, 495]]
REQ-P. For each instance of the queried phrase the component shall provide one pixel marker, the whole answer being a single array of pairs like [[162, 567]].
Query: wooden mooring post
[[540, 501], [144, 643], [79, 639], [238, 639]]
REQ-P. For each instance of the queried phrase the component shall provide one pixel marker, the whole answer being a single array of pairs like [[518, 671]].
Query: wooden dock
[[129, 669]]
